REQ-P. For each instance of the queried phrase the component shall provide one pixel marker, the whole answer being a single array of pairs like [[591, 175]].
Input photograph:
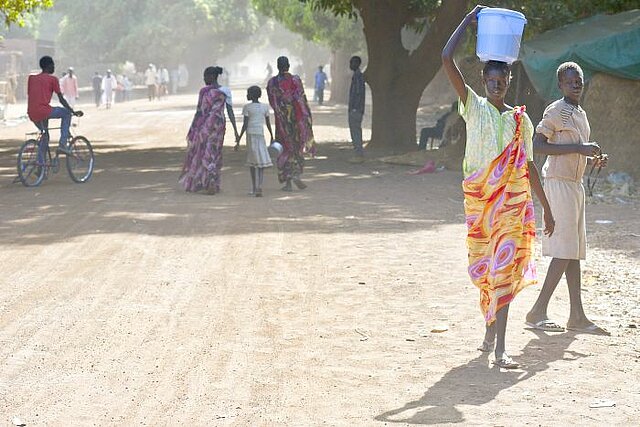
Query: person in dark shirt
[[96, 83], [356, 106]]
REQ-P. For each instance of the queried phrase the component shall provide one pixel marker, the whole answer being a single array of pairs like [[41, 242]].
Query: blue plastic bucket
[[499, 34]]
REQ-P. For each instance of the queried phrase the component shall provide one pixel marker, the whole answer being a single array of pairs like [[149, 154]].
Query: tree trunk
[[393, 119], [396, 76], [340, 76]]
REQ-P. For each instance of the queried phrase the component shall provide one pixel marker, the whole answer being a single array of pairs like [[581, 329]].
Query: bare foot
[[587, 328]]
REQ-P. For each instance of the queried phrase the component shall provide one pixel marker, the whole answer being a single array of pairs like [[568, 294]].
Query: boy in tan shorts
[[563, 135]]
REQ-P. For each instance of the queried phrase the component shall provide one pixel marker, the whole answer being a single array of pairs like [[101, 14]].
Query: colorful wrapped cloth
[[501, 226], [293, 124], [203, 161]]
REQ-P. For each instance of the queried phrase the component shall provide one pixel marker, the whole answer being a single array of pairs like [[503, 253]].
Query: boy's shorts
[[569, 239]]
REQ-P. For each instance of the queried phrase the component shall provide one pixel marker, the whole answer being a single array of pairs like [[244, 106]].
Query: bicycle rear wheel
[[30, 171], [80, 160]]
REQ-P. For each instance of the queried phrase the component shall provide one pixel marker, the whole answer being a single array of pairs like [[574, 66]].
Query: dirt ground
[[128, 301]]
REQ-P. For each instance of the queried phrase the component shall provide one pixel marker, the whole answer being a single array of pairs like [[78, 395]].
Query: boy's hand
[[590, 149], [602, 160], [549, 223]]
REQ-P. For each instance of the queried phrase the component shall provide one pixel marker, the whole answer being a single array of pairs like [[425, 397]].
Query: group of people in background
[[202, 166], [111, 88], [157, 81]]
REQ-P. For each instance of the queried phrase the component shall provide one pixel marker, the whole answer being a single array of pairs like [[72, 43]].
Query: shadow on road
[[476, 382], [136, 191]]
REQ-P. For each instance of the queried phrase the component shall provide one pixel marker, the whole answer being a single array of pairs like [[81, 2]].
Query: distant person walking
[[255, 115], [293, 124], [269, 70], [163, 82], [69, 87], [356, 107], [203, 161], [150, 79], [109, 84], [128, 88], [320, 82], [96, 83]]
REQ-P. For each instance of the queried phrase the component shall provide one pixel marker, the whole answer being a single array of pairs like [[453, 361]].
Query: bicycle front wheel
[[80, 159], [31, 171]]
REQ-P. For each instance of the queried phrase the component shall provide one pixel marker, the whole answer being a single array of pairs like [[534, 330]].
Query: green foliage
[[16, 11], [544, 15], [158, 31], [414, 11], [319, 26]]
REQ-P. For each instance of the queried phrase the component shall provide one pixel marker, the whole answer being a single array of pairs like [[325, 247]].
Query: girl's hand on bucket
[[474, 13]]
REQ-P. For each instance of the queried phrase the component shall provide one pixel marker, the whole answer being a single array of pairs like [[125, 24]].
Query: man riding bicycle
[[40, 89]]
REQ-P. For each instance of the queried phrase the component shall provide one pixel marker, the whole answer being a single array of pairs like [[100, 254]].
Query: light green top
[[489, 132]]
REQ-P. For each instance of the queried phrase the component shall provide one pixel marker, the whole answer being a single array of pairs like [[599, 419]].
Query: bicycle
[[35, 160]]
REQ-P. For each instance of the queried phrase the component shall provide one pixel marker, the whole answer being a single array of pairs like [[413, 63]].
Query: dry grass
[[612, 105]]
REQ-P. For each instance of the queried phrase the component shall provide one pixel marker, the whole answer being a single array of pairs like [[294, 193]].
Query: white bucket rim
[[497, 11]]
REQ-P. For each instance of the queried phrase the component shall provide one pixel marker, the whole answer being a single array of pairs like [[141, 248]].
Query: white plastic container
[[499, 34]]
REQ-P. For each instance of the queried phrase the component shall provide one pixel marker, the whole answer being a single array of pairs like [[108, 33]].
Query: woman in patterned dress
[[203, 161], [293, 124], [499, 175]]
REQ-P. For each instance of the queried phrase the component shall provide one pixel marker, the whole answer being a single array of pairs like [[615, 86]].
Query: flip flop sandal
[[592, 329], [546, 326]]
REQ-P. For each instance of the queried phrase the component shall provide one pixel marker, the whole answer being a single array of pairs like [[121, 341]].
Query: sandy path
[[126, 300]]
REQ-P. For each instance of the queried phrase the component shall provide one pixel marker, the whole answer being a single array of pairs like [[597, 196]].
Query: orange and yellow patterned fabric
[[501, 226]]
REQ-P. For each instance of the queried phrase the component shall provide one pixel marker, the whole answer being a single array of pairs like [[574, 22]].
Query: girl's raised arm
[[453, 72]]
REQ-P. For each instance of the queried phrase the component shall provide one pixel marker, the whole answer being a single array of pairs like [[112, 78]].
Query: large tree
[[14, 11], [398, 75], [341, 34]]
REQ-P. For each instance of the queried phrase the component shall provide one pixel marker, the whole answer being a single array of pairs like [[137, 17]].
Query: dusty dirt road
[[127, 301]]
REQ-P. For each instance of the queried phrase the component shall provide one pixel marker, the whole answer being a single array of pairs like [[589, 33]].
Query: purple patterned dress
[[203, 161], [293, 124]]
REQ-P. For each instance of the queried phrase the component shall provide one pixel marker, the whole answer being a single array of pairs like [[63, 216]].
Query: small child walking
[[257, 154]]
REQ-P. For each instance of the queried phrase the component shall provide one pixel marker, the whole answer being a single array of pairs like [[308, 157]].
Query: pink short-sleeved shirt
[[563, 123]]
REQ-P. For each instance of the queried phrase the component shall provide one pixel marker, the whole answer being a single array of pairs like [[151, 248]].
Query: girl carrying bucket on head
[[499, 174], [255, 113]]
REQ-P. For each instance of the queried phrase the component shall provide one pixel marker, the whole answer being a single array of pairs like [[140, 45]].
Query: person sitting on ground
[[40, 89], [255, 113], [562, 135], [499, 175], [437, 131]]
